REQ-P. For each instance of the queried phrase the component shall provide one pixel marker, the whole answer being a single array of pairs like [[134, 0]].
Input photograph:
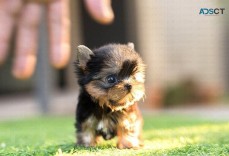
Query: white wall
[[177, 42]]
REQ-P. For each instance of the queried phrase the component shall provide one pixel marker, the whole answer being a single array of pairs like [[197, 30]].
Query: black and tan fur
[[111, 79]]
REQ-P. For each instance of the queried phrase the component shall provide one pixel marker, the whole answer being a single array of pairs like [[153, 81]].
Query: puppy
[[111, 80]]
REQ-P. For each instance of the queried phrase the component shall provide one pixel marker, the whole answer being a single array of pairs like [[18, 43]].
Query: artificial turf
[[163, 135]]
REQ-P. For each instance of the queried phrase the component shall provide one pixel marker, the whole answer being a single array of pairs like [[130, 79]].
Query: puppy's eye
[[111, 79]]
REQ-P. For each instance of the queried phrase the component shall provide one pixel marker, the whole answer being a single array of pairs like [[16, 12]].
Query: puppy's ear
[[131, 45], [83, 55]]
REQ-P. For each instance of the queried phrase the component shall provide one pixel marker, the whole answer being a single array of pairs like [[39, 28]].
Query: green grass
[[163, 135]]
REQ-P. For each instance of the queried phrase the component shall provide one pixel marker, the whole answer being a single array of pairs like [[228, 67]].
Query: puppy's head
[[113, 74]]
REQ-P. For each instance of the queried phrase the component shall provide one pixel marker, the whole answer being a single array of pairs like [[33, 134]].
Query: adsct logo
[[211, 11]]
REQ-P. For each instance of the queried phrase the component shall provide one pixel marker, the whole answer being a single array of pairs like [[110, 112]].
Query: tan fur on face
[[95, 92], [138, 92], [118, 94]]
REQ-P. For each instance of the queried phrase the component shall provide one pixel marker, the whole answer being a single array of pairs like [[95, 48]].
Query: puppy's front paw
[[129, 142], [86, 140]]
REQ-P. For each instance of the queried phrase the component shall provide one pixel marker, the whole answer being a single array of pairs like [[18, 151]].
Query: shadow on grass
[[72, 148]]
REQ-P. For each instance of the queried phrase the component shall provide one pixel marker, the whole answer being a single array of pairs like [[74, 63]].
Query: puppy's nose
[[128, 87]]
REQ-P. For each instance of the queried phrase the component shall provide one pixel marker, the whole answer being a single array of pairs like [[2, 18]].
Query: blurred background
[[187, 58]]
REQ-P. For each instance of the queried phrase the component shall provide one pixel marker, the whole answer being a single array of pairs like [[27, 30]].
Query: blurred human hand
[[25, 15]]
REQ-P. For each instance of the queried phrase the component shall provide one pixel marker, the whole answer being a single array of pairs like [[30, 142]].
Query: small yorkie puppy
[[111, 80]]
